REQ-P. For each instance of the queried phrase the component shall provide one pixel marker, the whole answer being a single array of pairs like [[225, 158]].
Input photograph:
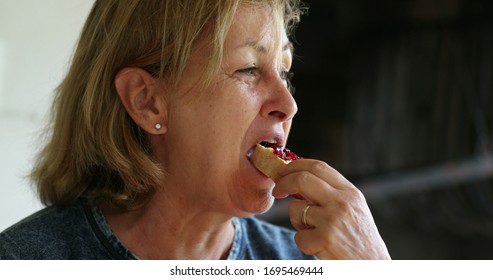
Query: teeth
[[271, 141]]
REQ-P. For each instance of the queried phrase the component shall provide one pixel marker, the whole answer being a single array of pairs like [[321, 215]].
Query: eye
[[250, 75], [250, 71], [287, 76]]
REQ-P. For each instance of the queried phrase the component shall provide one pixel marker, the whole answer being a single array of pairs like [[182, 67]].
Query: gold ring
[[303, 215]]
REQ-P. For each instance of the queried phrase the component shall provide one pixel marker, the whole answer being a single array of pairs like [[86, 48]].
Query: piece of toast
[[265, 160]]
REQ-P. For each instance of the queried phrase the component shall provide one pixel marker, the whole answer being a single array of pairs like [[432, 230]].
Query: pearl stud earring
[[157, 126]]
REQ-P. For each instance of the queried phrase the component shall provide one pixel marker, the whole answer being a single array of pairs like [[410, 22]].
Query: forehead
[[259, 28]]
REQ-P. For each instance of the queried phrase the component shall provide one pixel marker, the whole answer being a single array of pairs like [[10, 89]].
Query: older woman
[[147, 155]]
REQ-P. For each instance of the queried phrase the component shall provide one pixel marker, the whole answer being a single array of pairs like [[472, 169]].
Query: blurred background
[[36, 41], [395, 94]]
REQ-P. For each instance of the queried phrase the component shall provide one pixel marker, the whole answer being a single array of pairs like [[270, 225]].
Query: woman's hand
[[339, 224]]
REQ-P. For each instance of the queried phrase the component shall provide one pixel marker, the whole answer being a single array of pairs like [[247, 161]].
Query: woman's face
[[211, 130]]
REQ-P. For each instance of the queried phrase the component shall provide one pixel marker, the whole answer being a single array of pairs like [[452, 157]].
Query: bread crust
[[267, 162]]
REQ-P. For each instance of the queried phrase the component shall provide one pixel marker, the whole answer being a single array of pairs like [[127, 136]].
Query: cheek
[[227, 120], [239, 106], [287, 127], [226, 113]]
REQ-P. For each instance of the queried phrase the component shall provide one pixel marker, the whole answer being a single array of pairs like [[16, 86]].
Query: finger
[[306, 184], [295, 210], [308, 241], [319, 169], [304, 215]]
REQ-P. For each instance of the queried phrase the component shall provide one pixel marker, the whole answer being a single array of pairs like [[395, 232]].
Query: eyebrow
[[260, 48]]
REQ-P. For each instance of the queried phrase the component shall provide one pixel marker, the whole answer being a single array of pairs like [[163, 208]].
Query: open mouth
[[270, 143], [278, 150], [270, 165]]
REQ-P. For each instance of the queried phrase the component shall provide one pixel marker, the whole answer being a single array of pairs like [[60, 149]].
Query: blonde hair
[[94, 148]]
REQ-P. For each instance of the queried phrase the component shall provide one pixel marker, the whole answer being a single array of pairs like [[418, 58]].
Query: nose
[[280, 104]]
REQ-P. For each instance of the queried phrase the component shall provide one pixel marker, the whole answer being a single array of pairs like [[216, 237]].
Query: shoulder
[[265, 240], [51, 233]]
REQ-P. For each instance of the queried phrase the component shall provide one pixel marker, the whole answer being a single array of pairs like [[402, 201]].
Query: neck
[[165, 229]]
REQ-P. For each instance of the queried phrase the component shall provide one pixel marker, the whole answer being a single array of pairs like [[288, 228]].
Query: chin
[[259, 204]]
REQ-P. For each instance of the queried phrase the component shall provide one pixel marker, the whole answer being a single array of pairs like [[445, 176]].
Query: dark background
[[397, 95]]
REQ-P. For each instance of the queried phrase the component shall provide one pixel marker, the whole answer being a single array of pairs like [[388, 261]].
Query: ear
[[143, 99]]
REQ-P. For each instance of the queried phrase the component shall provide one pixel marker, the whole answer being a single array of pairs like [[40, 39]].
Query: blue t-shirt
[[81, 232]]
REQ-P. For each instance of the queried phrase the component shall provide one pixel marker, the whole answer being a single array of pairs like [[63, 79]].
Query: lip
[[256, 137], [276, 135]]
